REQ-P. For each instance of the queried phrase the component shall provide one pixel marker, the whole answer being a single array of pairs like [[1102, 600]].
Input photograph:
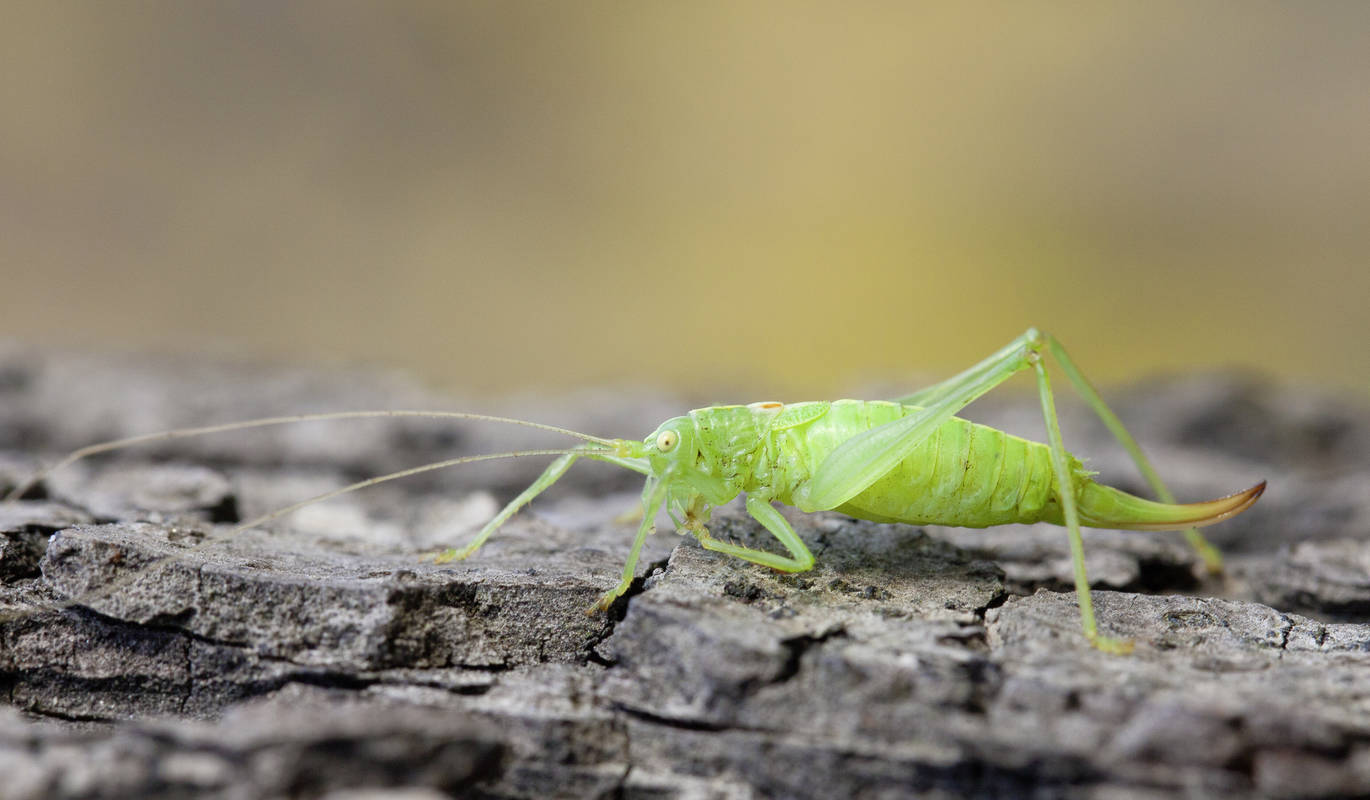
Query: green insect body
[[910, 460], [964, 475]]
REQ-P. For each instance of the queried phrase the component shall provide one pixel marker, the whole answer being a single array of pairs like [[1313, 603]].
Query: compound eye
[[667, 441]]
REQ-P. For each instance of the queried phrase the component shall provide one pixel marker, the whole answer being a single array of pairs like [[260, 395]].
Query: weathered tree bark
[[147, 651]]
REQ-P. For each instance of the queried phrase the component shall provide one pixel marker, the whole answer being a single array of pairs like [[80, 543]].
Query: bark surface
[[147, 651]]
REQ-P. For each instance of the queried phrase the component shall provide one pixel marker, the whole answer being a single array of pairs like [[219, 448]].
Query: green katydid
[[908, 460]]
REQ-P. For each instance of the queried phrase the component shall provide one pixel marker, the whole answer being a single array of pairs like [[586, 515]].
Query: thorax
[[732, 440]]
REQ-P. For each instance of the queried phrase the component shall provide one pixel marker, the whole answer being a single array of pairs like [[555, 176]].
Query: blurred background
[[786, 198]]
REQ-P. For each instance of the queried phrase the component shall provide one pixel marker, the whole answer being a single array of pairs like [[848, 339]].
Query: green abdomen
[[964, 475]]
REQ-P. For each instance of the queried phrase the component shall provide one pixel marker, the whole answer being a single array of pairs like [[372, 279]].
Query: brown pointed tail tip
[[1224, 507], [1114, 509]]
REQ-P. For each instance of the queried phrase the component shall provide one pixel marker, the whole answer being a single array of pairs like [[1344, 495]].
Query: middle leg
[[800, 558]]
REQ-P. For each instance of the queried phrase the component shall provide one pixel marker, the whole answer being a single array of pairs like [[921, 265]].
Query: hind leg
[[1072, 517], [1213, 559]]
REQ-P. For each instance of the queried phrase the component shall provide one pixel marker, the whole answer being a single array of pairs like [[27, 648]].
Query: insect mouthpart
[[628, 448]]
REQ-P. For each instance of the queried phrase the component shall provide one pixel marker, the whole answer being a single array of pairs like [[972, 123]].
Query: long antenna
[[404, 473], [184, 433], [104, 591]]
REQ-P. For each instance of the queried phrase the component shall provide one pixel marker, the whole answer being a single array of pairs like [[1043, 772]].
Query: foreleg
[[549, 476], [653, 495]]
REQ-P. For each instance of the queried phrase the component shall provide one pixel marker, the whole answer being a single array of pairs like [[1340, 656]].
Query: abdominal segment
[[965, 475]]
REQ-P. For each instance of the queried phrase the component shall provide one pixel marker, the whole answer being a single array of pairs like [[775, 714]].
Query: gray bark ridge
[[145, 650]]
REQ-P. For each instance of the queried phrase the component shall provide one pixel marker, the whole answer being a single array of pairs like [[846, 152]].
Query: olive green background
[[785, 198]]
